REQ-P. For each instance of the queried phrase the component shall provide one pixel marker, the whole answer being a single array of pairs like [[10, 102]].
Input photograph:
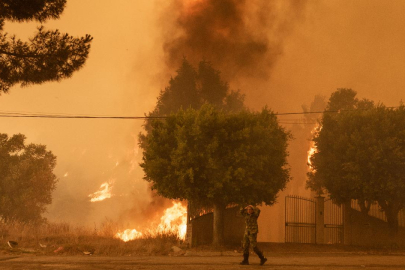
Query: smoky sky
[[240, 38]]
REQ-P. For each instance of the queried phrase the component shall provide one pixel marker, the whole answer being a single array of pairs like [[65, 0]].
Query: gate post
[[347, 223], [189, 231], [320, 219]]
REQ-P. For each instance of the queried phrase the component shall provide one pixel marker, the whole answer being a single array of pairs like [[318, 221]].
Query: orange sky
[[335, 43]]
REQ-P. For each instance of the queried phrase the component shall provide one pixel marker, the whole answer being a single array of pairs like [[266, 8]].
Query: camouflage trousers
[[249, 239]]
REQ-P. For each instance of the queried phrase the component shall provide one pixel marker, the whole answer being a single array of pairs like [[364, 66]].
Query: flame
[[128, 235], [174, 220], [312, 149], [104, 192]]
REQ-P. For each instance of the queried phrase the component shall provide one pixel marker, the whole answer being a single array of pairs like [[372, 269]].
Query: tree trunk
[[392, 218], [364, 206], [391, 211], [218, 237]]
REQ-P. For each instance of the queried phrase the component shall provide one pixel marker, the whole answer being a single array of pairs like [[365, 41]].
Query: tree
[[49, 56], [217, 158], [26, 179], [361, 155], [193, 88]]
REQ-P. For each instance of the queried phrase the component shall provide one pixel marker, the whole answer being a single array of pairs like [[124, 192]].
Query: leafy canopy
[[194, 87], [48, 56], [361, 154], [212, 157], [26, 179]]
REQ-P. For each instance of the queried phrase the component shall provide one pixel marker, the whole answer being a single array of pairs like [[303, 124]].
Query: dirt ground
[[209, 260]]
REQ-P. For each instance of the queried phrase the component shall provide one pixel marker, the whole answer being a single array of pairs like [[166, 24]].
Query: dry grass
[[63, 238]]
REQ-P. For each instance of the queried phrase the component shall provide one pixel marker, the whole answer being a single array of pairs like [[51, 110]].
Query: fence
[[313, 221], [300, 224], [333, 222]]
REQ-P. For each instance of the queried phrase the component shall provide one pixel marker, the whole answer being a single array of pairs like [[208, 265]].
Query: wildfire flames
[[174, 220], [128, 235], [103, 193], [312, 150]]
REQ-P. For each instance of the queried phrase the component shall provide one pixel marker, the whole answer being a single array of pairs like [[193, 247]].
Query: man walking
[[251, 214]]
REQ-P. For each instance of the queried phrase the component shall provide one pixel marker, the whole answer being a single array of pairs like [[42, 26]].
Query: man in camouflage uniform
[[251, 214]]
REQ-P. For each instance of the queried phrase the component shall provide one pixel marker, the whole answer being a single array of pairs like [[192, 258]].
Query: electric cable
[[8, 114]]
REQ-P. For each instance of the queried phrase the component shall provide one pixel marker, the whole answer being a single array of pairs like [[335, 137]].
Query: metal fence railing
[[300, 220], [333, 222]]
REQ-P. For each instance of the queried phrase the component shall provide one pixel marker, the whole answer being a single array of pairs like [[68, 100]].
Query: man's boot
[[260, 254], [245, 259]]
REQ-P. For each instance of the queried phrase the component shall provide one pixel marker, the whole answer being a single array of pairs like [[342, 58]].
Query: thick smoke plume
[[241, 38]]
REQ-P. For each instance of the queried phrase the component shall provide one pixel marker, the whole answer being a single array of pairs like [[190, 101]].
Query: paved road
[[208, 262]]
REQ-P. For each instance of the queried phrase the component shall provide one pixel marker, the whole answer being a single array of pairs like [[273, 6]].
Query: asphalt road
[[205, 261]]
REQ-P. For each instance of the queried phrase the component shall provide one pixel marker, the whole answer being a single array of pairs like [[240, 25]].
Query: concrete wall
[[201, 229], [272, 223], [364, 230]]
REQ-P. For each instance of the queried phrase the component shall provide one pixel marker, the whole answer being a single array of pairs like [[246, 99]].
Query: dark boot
[[260, 254], [245, 259]]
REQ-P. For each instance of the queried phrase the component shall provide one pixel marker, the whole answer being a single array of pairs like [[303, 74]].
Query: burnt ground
[[282, 256]]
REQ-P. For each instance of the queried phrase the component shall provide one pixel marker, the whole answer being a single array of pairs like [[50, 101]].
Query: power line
[[4, 114], [79, 117]]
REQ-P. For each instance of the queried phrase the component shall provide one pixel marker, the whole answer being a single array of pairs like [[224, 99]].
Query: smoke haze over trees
[[322, 45]]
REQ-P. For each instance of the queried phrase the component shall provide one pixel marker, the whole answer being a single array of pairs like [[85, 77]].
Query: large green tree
[[361, 154], [48, 56], [217, 158], [26, 179], [192, 87]]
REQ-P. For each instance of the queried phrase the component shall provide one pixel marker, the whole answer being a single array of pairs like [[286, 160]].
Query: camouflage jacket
[[251, 220]]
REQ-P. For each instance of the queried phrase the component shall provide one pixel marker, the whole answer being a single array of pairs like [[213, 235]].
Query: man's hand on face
[[249, 209]]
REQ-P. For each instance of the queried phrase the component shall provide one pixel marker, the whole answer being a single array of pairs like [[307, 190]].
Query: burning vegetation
[[173, 221], [64, 238], [103, 193]]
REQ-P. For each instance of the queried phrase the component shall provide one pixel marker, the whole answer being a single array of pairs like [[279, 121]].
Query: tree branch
[[21, 55]]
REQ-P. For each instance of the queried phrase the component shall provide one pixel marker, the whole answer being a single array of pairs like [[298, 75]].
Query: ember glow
[[174, 220], [103, 193]]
